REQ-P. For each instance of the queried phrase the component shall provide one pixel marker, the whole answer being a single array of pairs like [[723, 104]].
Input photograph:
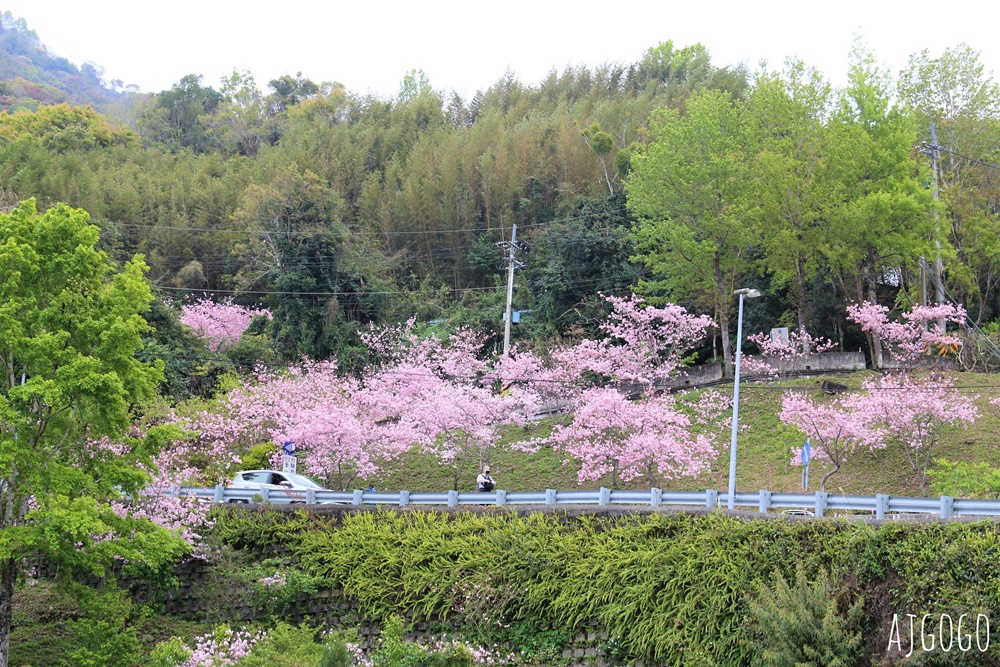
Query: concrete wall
[[694, 376], [819, 363]]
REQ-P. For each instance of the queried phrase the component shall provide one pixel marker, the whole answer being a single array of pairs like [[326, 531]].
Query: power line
[[929, 148], [355, 293], [134, 225]]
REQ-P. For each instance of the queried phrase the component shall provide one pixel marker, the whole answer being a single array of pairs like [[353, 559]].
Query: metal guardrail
[[819, 504]]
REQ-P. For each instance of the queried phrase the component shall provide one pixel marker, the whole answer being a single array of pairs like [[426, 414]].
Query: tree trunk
[[800, 298], [822, 482], [874, 338], [8, 574], [722, 298]]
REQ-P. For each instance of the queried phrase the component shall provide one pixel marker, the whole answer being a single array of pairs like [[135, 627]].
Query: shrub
[[800, 625]]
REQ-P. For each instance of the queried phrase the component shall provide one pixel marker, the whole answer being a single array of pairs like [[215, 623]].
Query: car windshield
[[302, 480]]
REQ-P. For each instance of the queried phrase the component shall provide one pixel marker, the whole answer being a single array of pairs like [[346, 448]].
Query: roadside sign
[[289, 447], [806, 458], [288, 464]]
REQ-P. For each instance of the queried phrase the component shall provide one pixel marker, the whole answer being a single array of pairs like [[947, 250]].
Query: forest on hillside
[[670, 176]]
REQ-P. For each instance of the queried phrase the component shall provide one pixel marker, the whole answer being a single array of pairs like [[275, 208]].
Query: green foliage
[[664, 587], [250, 351], [106, 635], [575, 260], [258, 457], [169, 653], [395, 651], [70, 325], [256, 529], [961, 479], [335, 654], [801, 625], [287, 646], [276, 589]]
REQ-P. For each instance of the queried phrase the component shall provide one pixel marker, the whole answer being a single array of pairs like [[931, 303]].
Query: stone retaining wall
[[197, 597]]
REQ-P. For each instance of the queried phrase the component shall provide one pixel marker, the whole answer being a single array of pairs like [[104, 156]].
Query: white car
[[287, 484]]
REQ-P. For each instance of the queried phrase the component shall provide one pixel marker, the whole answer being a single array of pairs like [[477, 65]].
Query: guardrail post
[[821, 498], [501, 497], [605, 496], [765, 501], [220, 493], [711, 499], [265, 494], [452, 498], [310, 496], [358, 495], [404, 498], [881, 505], [656, 497], [550, 496], [947, 507]]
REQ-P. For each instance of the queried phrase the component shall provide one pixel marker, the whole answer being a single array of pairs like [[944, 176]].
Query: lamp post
[[751, 293]]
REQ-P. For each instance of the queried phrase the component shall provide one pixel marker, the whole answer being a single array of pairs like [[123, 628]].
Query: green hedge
[[669, 588]]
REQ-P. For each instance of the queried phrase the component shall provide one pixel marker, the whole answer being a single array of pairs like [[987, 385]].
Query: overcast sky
[[467, 45]]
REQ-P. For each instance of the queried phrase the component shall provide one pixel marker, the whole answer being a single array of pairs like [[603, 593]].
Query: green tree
[[243, 111], [689, 191], [572, 261], [601, 143], [884, 214], [290, 90], [70, 325], [792, 181], [186, 104], [955, 93]]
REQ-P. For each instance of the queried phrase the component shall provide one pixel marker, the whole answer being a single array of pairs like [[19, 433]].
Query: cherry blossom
[[916, 334], [837, 427], [643, 343], [651, 439], [220, 324], [912, 412]]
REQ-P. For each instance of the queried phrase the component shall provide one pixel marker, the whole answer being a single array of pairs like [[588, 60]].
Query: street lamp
[[750, 293]]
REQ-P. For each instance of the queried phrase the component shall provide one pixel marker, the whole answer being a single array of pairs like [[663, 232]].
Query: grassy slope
[[765, 451]]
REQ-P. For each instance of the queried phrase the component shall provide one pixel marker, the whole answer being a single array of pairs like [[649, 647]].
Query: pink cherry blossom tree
[[911, 413], [800, 343], [614, 436], [342, 429], [837, 427], [642, 344], [448, 397], [916, 333], [220, 323], [184, 517], [649, 437]]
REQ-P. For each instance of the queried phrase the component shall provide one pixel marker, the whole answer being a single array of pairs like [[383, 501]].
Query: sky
[[468, 45]]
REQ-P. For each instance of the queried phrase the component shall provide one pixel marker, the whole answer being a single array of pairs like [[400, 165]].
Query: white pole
[[736, 408]]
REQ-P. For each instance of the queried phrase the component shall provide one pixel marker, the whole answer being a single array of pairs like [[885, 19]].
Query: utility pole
[[938, 283], [512, 265]]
